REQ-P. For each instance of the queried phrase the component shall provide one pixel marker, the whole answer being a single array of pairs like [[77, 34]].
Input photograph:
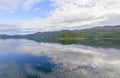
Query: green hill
[[97, 35], [107, 36], [108, 32]]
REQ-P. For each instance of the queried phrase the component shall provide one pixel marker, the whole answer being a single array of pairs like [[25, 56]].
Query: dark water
[[30, 59]]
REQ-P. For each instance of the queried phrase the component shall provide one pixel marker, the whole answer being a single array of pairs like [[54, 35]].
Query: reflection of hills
[[107, 36], [96, 43]]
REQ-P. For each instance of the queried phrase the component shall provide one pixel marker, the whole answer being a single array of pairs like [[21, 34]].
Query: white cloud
[[36, 9], [12, 5], [29, 3], [3, 7], [71, 14], [77, 13], [9, 5], [85, 10]]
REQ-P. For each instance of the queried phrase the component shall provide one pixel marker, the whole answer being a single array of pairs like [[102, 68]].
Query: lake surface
[[30, 59]]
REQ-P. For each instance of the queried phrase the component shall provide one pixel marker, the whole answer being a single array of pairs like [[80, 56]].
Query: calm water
[[30, 59]]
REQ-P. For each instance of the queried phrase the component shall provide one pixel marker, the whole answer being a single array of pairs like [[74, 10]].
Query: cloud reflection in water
[[71, 61]]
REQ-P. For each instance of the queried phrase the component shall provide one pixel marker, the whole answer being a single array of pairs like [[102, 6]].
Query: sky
[[30, 16]]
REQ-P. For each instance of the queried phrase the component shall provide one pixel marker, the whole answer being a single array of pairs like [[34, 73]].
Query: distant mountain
[[97, 33], [106, 32], [107, 36]]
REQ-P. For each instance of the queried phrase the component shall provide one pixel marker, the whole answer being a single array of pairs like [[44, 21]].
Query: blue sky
[[30, 16], [40, 9]]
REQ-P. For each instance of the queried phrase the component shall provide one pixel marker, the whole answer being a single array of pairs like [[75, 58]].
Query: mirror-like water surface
[[29, 59]]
